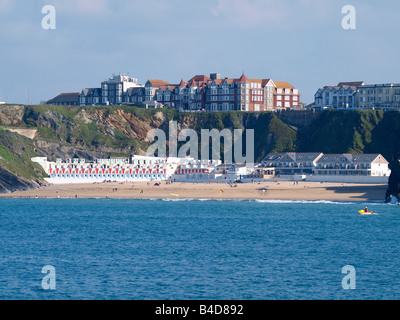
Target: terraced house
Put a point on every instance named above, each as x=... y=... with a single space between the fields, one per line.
x=200 y=93
x=215 y=93
x=368 y=168
x=358 y=95
x=342 y=96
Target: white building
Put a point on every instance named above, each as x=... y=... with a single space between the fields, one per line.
x=368 y=168
x=138 y=168
x=114 y=89
x=342 y=96
x=352 y=168
x=292 y=163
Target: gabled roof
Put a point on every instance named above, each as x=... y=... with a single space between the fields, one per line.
x=266 y=81
x=91 y=91
x=368 y=158
x=192 y=83
x=134 y=91
x=283 y=85
x=243 y=78
x=352 y=158
x=157 y=83
x=273 y=157
x=65 y=98
x=330 y=158
x=200 y=78
x=182 y=83
x=170 y=87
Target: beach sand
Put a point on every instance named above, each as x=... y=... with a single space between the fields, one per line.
x=283 y=190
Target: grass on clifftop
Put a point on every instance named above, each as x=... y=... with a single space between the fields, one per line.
x=15 y=156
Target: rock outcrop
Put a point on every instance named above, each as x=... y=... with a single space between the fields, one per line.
x=393 y=192
x=11 y=183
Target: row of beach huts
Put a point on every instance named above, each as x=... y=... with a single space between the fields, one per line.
x=356 y=168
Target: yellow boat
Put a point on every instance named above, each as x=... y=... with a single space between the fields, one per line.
x=364 y=213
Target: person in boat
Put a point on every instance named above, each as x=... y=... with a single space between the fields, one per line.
x=366 y=209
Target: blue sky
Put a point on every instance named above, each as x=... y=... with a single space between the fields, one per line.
x=301 y=42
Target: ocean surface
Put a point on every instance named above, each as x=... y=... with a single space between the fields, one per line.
x=192 y=249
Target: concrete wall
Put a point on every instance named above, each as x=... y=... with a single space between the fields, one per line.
x=349 y=179
x=298 y=118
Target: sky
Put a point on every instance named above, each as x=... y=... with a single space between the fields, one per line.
x=301 y=42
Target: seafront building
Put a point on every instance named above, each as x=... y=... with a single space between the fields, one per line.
x=200 y=93
x=355 y=168
x=137 y=168
x=358 y=95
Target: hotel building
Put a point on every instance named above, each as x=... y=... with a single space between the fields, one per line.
x=357 y=168
x=379 y=96
x=200 y=93
x=342 y=96
x=358 y=95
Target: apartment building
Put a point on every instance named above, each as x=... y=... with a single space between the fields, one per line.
x=90 y=96
x=379 y=96
x=200 y=93
x=358 y=95
x=342 y=96
x=357 y=168
x=285 y=95
x=114 y=89
x=292 y=163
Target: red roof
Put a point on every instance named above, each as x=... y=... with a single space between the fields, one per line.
x=200 y=78
x=243 y=78
x=182 y=83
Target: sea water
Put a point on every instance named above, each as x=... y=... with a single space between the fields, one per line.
x=193 y=249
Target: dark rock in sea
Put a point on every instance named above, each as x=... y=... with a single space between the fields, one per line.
x=394 y=184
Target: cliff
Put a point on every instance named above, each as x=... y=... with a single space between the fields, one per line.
x=94 y=132
x=102 y=132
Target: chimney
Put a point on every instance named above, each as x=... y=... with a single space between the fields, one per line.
x=215 y=76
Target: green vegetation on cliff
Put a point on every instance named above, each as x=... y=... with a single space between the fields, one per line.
x=366 y=131
x=16 y=152
x=101 y=131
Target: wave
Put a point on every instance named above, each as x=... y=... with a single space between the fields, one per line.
x=370 y=203
x=307 y=201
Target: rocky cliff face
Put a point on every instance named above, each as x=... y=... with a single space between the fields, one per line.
x=10 y=182
x=102 y=132
x=393 y=192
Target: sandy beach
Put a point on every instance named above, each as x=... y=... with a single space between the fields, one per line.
x=283 y=190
